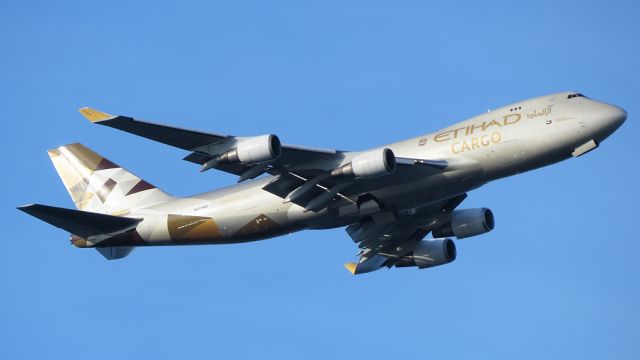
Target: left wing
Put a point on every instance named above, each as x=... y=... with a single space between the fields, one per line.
x=205 y=146
x=309 y=177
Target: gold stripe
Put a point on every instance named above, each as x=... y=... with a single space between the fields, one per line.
x=191 y=228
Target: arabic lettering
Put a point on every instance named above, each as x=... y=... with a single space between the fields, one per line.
x=544 y=112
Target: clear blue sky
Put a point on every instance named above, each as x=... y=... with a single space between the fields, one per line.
x=558 y=278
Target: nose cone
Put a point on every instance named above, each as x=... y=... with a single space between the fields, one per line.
x=603 y=118
x=615 y=116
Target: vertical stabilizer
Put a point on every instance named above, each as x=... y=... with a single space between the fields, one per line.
x=98 y=185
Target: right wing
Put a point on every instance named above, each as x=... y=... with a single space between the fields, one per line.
x=385 y=238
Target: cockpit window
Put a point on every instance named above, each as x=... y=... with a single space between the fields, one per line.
x=571 y=96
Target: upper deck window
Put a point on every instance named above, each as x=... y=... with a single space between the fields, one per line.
x=571 y=96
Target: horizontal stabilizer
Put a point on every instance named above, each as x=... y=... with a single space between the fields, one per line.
x=81 y=223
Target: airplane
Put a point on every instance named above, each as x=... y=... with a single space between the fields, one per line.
x=389 y=198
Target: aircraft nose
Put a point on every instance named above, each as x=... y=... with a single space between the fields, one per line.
x=604 y=117
x=615 y=115
x=622 y=115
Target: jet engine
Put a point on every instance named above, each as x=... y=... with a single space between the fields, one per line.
x=429 y=253
x=253 y=150
x=466 y=223
x=371 y=164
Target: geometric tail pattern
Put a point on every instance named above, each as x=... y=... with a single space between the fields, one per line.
x=98 y=185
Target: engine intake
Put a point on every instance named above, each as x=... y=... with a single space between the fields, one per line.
x=253 y=150
x=368 y=165
x=430 y=253
x=466 y=223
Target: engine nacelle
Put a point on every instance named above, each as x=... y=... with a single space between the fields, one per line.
x=253 y=150
x=429 y=253
x=368 y=165
x=466 y=223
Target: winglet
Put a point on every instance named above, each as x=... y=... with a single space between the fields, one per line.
x=94 y=115
x=351 y=267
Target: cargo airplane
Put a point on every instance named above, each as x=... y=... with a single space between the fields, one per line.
x=389 y=198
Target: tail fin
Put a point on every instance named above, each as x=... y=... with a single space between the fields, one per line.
x=98 y=185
